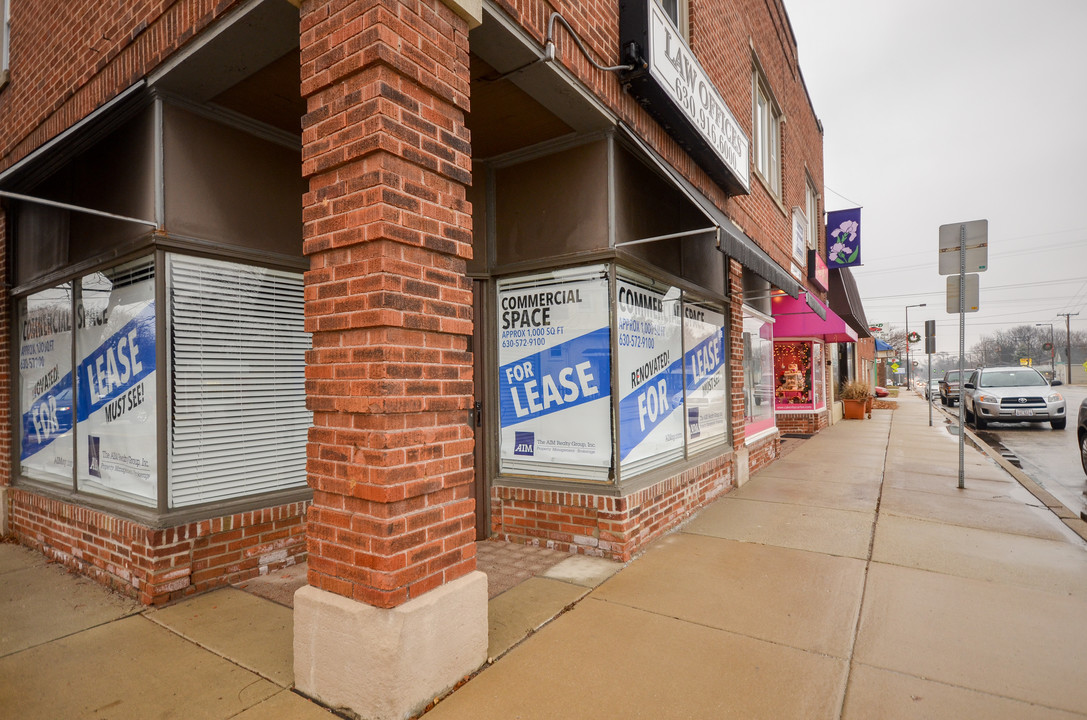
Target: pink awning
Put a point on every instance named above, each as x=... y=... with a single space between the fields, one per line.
x=794 y=318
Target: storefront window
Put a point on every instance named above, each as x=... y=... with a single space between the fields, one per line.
x=237 y=419
x=818 y=376
x=116 y=448
x=554 y=374
x=792 y=368
x=704 y=368
x=650 y=334
x=799 y=374
x=758 y=374
x=45 y=385
x=557 y=394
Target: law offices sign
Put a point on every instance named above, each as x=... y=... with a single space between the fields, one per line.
x=672 y=85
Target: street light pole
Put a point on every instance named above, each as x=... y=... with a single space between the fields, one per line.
x=1052 y=350
x=909 y=381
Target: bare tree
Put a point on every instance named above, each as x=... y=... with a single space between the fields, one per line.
x=1025 y=342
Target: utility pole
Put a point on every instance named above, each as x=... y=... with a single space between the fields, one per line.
x=909 y=381
x=1068 y=341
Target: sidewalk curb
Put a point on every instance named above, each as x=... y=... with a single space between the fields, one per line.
x=1075 y=523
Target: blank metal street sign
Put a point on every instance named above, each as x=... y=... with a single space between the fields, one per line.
x=971 y=302
x=977 y=247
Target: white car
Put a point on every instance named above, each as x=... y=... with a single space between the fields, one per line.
x=1012 y=394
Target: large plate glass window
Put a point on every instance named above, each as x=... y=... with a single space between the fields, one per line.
x=758 y=343
x=705 y=375
x=798 y=367
x=554 y=374
x=650 y=382
x=116 y=381
x=45 y=385
x=238 y=403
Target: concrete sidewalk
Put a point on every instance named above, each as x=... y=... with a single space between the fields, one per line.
x=851 y=579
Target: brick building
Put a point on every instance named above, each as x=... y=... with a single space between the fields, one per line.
x=364 y=282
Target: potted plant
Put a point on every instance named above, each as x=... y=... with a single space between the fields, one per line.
x=855 y=396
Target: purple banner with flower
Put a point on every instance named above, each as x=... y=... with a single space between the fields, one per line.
x=843 y=238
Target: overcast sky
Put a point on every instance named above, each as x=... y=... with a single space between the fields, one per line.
x=942 y=111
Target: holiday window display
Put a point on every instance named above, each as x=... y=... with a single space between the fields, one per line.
x=793 y=365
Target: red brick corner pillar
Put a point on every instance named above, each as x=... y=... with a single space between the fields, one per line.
x=741 y=471
x=6 y=430
x=395 y=612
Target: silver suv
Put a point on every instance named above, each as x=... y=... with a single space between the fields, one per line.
x=1012 y=394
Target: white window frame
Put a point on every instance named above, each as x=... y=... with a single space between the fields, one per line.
x=766 y=138
x=811 y=209
x=5 y=41
x=681 y=19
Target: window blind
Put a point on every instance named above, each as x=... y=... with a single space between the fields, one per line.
x=237 y=383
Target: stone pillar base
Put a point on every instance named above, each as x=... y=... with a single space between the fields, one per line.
x=388 y=664
x=4 y=511
x=742 y=466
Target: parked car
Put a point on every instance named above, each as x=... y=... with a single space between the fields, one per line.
x=1081 y=434
x=881 y=392
x=1012 y=394
x=949 y=386
x=933 y=389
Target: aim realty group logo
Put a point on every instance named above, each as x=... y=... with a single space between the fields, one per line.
x=524 y=443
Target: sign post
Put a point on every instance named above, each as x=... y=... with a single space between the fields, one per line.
x=930 y=347
x=970 y=242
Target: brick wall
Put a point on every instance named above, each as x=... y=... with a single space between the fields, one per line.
x=387 y=229
x=803 y=423
x=611 y=527
x=763 y=453
x=159 y=565
x=736 y=351
x=68 y=57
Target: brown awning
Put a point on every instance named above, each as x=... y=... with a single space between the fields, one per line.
x=845 y=300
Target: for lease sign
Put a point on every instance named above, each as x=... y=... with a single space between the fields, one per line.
x=554 y=375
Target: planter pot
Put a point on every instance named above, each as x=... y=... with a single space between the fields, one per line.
x=853 y=409
x=868 y=406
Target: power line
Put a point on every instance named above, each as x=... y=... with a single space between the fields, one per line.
x=843 y=197
x=1003 y=253
x=986 y=288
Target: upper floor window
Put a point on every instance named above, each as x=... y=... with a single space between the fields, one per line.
x=811 y=208
x=5 y=35
x=676 y=10
x=767 y=135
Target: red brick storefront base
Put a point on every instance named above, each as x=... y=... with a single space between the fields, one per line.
x=606 y=526
x=158 y=565
x=763 y=452
x=803 y=423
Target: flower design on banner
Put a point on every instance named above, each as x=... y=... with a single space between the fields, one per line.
x=844 y=250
